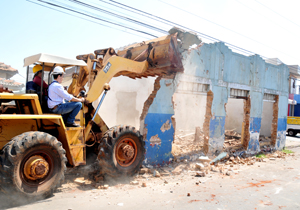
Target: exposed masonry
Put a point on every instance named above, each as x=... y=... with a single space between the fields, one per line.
x=208 y=115
x=155 y=140
x=151 y=97
x=274 y=121
x=246 y=123
x=148 y=103
x=220 y=69
x=166 y=126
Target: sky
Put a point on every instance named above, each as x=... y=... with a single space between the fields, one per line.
x=270 y=28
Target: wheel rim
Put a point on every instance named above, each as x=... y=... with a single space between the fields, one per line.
x=126 y=152
x=36 y=168
x=291 y=133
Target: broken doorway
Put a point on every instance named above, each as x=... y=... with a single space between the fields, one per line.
x=268 y=131
x=237 y=120
x=189 y=107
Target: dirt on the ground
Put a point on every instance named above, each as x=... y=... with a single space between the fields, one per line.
x=185 y=143
x=82 y=177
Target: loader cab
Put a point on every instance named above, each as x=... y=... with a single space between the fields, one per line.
x=47 y=63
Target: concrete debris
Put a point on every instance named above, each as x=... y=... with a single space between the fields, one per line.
x=200 y=173
x=185 y=144
x=98 y=178
x=199 y=166
x=187 y=38
x=226 y=164
x=156 y=173
x=163 y=173
x=80 y=181
x=204 y=159
x=228 y=173
x=144 y=171
x=178 y=169
x=219 y=157
x=134 y=183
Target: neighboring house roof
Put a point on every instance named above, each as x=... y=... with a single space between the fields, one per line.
x=294 y=70
x=10 y=83
x=8 y=70
x=5 y=67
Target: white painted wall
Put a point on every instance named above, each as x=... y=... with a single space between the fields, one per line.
x=124 y=102
x=189 y=110
x=234 y=114
x=267 y=117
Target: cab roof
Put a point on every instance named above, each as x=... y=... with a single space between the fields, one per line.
x=50 y=60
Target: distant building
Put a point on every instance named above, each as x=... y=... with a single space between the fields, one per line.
x=6 y=72
x=294 y=87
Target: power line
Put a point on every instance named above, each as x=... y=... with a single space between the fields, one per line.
x=145 y=14
x=225 y=28
x=119 y=16
x=265 y=17
x=124 y=11
x=55 y=5
x=277 y=13
x=184 y=27
x=85 y=19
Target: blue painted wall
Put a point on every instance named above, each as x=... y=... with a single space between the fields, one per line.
x=160 y=113
x=225 y=70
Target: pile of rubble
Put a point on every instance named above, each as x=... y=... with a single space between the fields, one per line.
x=186 y=143
x=223 y=164
x=232 y=138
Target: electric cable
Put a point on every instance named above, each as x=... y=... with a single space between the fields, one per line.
x=277 y=13
x=161 y=20
x=265 y=17
x=55 y=5
x=184 y=27
x=119 y=16
x=225 y=28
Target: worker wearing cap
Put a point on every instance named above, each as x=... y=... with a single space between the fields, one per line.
x=37 y=78
x=56 y=96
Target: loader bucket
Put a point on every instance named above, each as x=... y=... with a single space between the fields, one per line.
x=162 y=55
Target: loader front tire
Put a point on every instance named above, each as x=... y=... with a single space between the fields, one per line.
x=32 y=165
x=121 y=151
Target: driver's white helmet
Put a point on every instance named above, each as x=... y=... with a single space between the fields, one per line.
x=58 y=70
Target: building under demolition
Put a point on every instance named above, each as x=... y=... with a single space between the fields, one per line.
x=218 y=89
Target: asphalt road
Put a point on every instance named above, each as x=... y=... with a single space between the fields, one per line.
x=274 y=184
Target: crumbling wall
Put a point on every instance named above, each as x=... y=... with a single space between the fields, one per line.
x=274 y=122
x=208 y=115
x=246 y=123
x=281 y=122
x=215 y=64
x=157 y=122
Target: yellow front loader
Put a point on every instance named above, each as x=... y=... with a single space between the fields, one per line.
x=35 y=146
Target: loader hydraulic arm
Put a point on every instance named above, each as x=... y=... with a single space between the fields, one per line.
x=113 y=66
x=156 y=57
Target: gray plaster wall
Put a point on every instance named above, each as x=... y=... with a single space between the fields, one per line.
x=189 y=110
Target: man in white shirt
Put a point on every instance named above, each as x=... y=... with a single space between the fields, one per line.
x=56 y=96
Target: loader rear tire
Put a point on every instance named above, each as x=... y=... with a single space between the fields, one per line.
x=121 y=151
x=32 y=165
